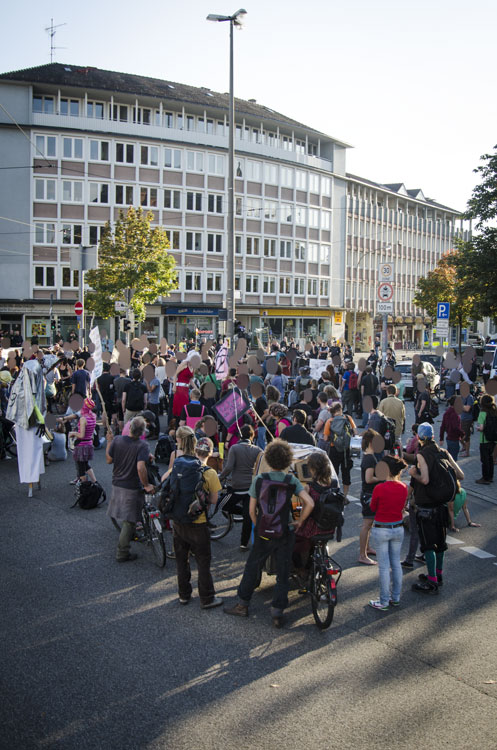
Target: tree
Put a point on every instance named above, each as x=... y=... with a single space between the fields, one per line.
x=483 y=202
x=443 y=285
x=133 y=264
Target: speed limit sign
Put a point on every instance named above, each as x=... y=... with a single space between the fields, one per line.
x=385 y=272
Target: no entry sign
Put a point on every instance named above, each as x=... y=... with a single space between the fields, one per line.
x=78 y=308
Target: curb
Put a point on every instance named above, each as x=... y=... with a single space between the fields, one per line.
x=480 y=496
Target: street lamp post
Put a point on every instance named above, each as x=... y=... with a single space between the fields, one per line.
x=236 y=20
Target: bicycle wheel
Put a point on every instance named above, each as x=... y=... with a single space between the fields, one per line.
x=323 y=597
x=219 y=523
x=153 y=532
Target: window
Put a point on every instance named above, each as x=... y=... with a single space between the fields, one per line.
x=285 y=284
x=194 y=241
x=220 y=127
x=254 y=170
x=271 y=210
x=125 y=153
x=173 y=237
x=312 y=149
x=44 y=190
x=312 y=287
x=149 y=155
x=286 y=177
x=254 y=208
x=314 y=183
x=300 y=215
x=313 y=253
x=46 y=145
x=193 y=281
x=299 y=286
x=69 y=107
x=269 y=248
x=120 y=112
x=301 y=180
x=299 y=250
x=172 y=199
x=44 y=233
x=99 y=151
x=299 y=147
x=142 y=115
x=72 y=192
x=325 y=185
x=325 y=220
x=72 y=234
x=179 y=121
x=193 y=201
x=124 y=195
x=323 y=288
x=287 y=143
x=95 y=233
x=214 y=243
x=95 y=109
x=237 y=283
x=72 y=148
x=200 y=124
x=238 y=206
x=215 y=204
x=214 y=282
x=271 y=174
x=44 y=276
x=240 y=165
x=190 y=122
x=99 y=192
x=168 y=119
x=252 y=284
x=285 y=249
x=43 y=104
x=268 y=285
x=216 y=163
x=286 y=213
x=238 y=245
x=70 y=278
x=314 y=218
x=172 y=158
x=252 y=246
x=324 y=253
x=195 y=161
x=148 y=197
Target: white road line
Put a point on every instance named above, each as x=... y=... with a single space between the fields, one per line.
x=453 y=540
x=353 y=499
x=477 y=552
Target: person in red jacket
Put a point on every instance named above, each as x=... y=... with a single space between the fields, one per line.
x=451 y=426
x=388 y=501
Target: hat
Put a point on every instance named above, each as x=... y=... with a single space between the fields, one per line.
x=204 y=445
x=148 y=415
x=425 y=431
x=89 y=404
x=5 y=377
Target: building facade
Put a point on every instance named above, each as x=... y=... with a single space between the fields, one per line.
x=80 y=144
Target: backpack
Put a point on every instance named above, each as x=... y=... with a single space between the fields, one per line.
x=165 y=446
x=490 y=428
x=353 y=381
x=328 y=507
x=183 y=488
x=433 y=408
x=273 y=500
x=341 y=432
x=135 y=396
x=475 y=411
x=88 y=495
x=192 y=421
x=387 y=431
x=443 y=485
x=303 y=384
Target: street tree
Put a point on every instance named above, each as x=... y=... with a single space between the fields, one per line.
x=443 y=285
x=133 y=264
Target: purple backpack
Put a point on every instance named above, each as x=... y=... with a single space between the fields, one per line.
x=273 y=500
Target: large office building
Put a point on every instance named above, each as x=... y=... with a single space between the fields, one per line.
x=79 y=144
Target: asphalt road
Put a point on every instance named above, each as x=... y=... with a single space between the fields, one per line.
x=101 y=655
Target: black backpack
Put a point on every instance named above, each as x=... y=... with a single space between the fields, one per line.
x=443 y=485
x=387 y=431
x=89 y=495
x=433 y=409
x=184 y=487
x=135 y=400
x=328 y=508
x=165 y=446
x=490 y=428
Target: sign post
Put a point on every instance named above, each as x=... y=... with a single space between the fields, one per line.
x=385 y=299
x=443 y=315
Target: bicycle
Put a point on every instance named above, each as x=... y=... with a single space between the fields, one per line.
x=322 y=585
x=152 y=530
x=61 y=399
x=220 y=525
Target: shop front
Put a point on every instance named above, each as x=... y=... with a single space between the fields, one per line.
x=296 y=323
x=192 y=323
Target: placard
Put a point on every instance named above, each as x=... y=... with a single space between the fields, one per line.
x=230 y=408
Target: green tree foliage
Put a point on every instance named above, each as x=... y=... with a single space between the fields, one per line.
x=483 y=202
x=133 y=264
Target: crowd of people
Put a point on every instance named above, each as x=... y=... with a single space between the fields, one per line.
x=319 y=397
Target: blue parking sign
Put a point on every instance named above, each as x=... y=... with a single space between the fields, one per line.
x=443 y=310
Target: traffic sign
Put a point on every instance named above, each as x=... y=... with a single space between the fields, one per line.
x=385 y=272
x=384 y=307
x=385 y=292
x=78 y=308
x=443 y=310
x=120 y=306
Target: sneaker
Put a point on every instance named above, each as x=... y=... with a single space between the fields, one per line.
x=424 y=578
x=277 y=621
x=420 y=558
x=129 y=558
x=74 y=481
x=482 y=481
x=185 y=601
x=406 y=564
x=239 y=610
x=376 y=604
x=216 y=602
x=427 y=587
x=394 y=604
x=243 y=547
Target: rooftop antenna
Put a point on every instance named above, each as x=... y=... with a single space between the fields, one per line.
x=52 y=30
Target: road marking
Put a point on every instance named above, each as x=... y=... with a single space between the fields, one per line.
x=477 y=552
x=353 y=499
x=453 y=540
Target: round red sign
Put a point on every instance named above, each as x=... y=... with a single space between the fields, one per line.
x=78 y=308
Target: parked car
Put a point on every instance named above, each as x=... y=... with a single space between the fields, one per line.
x=404 y=367
x=434 y=359
x=493 y=371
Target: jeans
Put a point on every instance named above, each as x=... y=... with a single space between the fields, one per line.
x=453 y=447
x=195 y=538
x=243 y=499
x=261 y=437
x=487 y=460
x=387 y=543
x=282 y=550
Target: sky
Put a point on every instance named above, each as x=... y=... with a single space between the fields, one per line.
x=409 y=85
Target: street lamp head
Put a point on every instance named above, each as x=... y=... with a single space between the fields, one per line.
x=237 y=18
x=216 y=17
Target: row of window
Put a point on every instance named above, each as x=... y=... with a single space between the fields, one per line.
x=253 y=284
x=45 y=276
x=174 y=158
x=161 y=118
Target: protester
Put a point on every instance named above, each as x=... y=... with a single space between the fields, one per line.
x=83 y=447
x=297 y=433
x=451 y=426
x=487 y=427
x=369 y=480
x=135 y=395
